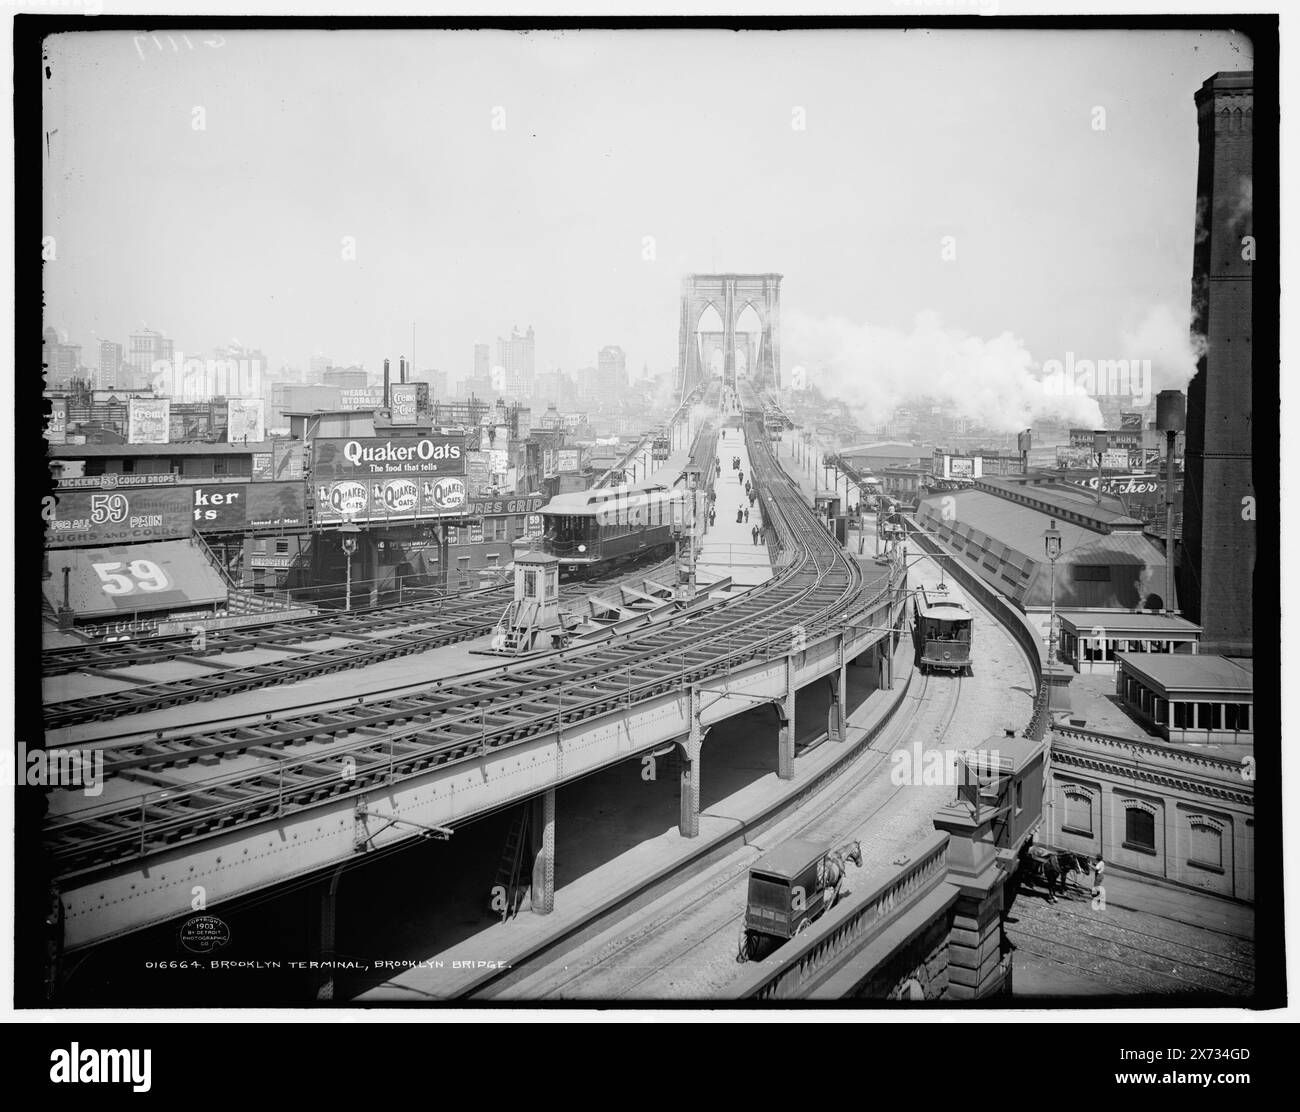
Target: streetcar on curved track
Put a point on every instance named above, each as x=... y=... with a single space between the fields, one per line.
x=943 y=630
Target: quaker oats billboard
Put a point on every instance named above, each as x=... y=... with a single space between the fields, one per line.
x=374 y=457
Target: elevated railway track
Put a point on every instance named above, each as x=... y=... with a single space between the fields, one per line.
x=291 y=768
x=373 y=636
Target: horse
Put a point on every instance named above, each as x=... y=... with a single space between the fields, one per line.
x=1050 y=867
x=833 y=867
x=1070 y=862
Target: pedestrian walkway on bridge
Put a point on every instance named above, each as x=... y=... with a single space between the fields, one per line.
x=729 y=544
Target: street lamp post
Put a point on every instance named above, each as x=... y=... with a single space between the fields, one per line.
x=350 y=533
x=1052 y=545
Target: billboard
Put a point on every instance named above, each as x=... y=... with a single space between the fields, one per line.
x=1068 y=459
x=263 y=465
x=378 y=457
x=568 y=459
x=961 y=467
x=400 y=498
x=371 y=397
x=236 y=507
x=113 y=482
x=75 y=517
x=1130 y=421
x=288 y=459
x=477 y=475
x=56 y=432
x=149 y=421
x=495 y=507
x=245 y=421
x=404 y=400
x=1115 y=459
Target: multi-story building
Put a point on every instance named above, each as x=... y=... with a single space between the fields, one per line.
x=611 y=375
x=111 y=361
x=482 y=361
x=62 y=361
x=346 y=378
x=1218 y=527
x=146 y=349
x=517 y=356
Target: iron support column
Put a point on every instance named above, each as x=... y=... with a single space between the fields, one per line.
x=543 y=894
x=785 y=737
x=689 y=811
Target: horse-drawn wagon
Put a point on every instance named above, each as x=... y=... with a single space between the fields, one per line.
x=1045 y=867
x=789 y=887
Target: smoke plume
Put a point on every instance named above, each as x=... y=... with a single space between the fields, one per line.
x=874 y=370
x=1165 y=337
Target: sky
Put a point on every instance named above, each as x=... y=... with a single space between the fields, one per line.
x=948 y=191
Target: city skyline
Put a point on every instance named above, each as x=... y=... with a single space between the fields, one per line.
x=524 y=166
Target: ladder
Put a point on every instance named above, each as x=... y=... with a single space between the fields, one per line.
x=512 y=862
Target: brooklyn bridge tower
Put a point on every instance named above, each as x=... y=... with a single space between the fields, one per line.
x=714 y=337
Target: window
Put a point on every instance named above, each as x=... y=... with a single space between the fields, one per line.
x=1139 y=829
x=128 y=466
x=494 y=529
x=1182 y=716
x=1078 y=813
x=1236 y=716
x=282 y=548
x=1020 y=796
x=1208 y=716
x=530 y=583
x=1205 y=848
x=520 y=526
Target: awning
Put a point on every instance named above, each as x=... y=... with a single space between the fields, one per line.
x=133 y=578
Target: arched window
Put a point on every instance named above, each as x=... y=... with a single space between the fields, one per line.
x=1205 y=849
x=1139 y=828
x=1078 y=812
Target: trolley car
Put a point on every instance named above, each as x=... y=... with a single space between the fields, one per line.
x=943 y=630
x=590 y=531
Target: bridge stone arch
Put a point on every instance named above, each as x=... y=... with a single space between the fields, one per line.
x=729 y=295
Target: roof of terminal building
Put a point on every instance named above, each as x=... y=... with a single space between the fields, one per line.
x=1016 y=525
x=1068 y=499
x=1194 y=672
x=1119 y=623
x=1009 y=535
x=890 y=449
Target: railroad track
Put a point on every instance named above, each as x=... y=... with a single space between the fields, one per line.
x=428 y=626
x=842 y=812
x=390 y=740
x=417 y=628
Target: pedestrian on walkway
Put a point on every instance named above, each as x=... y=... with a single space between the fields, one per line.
x=742 y=476
x=753 y=533
x=740 y=515
x=1098 y=875
x=713 y=515
x=746 y=515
